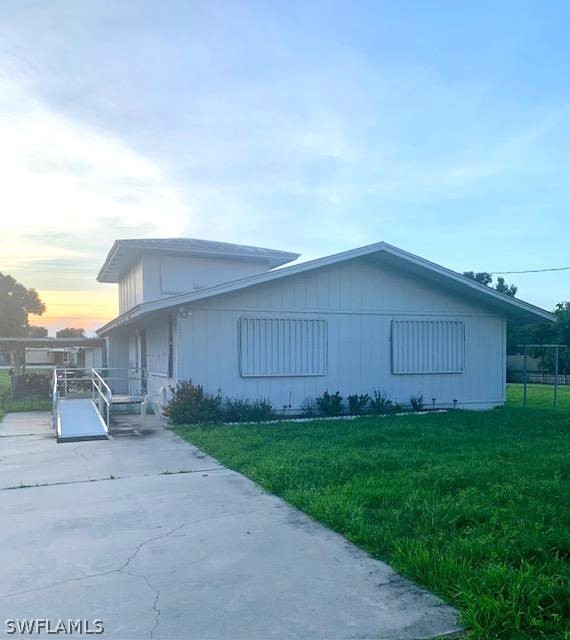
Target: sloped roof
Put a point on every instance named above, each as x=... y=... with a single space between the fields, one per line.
x=454 y=282
x=124 y=253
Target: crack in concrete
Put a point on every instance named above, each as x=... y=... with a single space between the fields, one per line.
x=88 y=480
x=155 y=606
x=80 y=453
x=100 y=574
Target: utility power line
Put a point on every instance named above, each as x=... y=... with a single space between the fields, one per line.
x=504 y=273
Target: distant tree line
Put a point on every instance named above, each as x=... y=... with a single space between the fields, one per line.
x=547 y=333
x=487 y=279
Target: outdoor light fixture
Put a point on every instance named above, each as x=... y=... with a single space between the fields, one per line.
x=184 y=312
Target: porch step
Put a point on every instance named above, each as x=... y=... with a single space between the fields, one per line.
x=79 y=420
x=127 y=399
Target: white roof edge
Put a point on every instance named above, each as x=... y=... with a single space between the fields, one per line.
x=236 y=285
x=275 y=257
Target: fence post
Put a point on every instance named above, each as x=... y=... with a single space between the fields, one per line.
x=524 y=373
x=556 y=378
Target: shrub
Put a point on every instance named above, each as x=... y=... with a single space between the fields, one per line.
x=357 y=404
x=244 y=410
x=237 y=409
x=380 y=402
x=417 y=403
x=33 y=384
x=309 y=408
x=330 y=404
x=262 y=410
x=190 y=405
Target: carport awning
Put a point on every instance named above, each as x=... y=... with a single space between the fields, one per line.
x=54 y=343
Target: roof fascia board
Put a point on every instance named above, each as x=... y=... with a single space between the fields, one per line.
x=269 y=276
x=273 y=257
x=108 y=259
x=472 y=284
x=235 y=285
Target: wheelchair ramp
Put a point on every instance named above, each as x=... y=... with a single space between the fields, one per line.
x=79 y=420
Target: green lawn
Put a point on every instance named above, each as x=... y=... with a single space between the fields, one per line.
x=472 y=505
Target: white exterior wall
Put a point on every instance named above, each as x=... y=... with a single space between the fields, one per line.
x=155 y=276
x=118 y=358
x=39 y=356
x=158 y=380
x=94 y=358
x=358 y=300
x=131 y=288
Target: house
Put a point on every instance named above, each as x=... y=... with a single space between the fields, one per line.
x=70 y=357
x=234 y=319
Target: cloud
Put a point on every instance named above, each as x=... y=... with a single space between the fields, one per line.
x=258 y=124
x=69 y=189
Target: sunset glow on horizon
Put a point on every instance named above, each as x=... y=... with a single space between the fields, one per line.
x=88 y=310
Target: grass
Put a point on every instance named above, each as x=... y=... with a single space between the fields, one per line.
x=471 y=505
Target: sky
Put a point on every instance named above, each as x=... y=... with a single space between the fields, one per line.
x=441 y=127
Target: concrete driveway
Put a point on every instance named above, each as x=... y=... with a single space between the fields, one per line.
x=158 y=540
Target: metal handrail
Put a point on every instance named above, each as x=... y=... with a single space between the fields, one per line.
x=54 y=399
x=104 y=392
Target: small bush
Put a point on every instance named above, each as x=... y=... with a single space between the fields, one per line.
x=309 y=408
x=262 y=410
x=380 y=402
x=190 y=405
x=244 y=410
x=33 y=384
x=237 y=409
x=329 y=404
x=357 y=404
x=417 y=403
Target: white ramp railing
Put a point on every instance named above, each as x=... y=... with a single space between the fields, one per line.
x=102 y=395
x=79 y=382
x=54 y=398
x=67 y=382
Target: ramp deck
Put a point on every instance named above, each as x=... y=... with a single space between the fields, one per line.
x=79 y=419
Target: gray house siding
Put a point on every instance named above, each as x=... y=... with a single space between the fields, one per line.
x=358 y=301
x=161 y=374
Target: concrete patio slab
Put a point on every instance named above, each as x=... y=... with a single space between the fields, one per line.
x=200 y=554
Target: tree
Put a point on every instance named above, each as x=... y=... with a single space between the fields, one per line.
x=508 y=289
x=482 y=277
x=38 y=332
x=545 y=333
x=70 y=332
x=16 y=303
x=558 y=333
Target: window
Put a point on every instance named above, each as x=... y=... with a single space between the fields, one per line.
x=428 y=346
x=282 y=347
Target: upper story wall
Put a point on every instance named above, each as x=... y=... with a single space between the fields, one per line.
x=131 y=288
x=156 y=276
